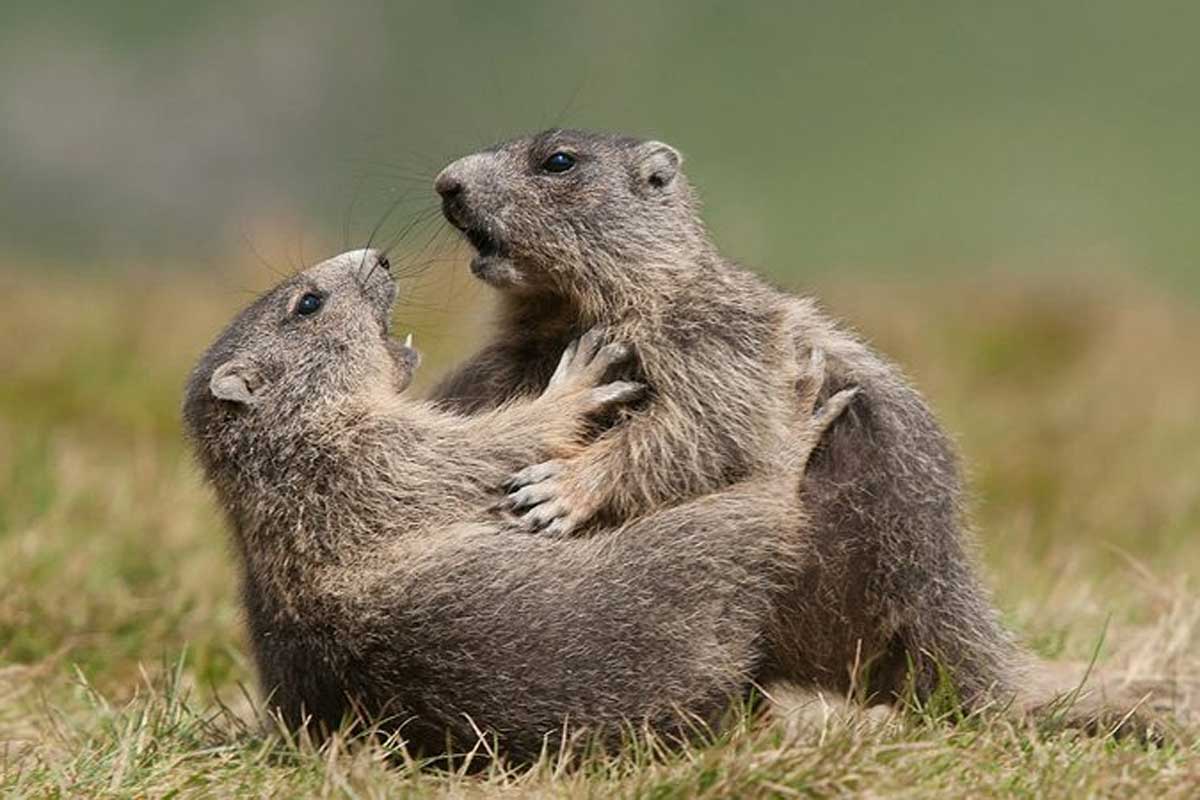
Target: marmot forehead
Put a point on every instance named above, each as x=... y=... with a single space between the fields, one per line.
x=574 y=138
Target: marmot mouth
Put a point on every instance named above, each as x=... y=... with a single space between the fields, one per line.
x=484 y=243
x=491 y=262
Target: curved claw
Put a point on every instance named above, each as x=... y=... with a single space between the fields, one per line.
x=564 y=365
x=527 y=497
x=589 y=343
x=833 y=408
x=535 y=473
x=543 y=515
x=610 y=354
x=615 y=392
x=558 y=529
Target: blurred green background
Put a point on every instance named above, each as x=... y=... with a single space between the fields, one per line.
x=1001 y=197
x=884 y=137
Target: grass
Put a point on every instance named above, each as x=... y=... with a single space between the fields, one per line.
x=123 y=662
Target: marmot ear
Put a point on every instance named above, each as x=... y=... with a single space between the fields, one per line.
x=236 y=382
x=657 y=165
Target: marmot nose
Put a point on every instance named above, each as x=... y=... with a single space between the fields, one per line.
x=448 y=185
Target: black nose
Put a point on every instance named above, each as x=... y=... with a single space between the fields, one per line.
x=448 y=186
x=383 y=262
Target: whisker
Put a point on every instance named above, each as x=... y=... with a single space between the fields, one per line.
x=245 y=236
x=391 y=209
x=419 y=219
x=346 y=222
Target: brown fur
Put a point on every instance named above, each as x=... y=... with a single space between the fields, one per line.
x=374 y=581
x=888 y=597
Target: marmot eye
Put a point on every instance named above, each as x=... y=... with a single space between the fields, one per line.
x=559 y=162
x=309 y=304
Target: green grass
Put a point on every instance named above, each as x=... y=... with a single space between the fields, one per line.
x=123 y=661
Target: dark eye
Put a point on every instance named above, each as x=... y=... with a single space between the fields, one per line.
x=309 y=304
x=559 y=162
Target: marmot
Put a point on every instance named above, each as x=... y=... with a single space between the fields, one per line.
x=578 y=229
x=376 y=586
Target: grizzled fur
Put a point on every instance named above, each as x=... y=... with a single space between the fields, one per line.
x=375 y=583
x=616 y=240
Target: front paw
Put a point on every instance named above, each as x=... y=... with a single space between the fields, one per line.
x=582 y=368
x=546 y=500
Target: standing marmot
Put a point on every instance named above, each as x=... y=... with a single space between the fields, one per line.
x=371 y=583
x=580 y=229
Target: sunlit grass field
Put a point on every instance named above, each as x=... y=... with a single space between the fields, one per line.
x=124 y=669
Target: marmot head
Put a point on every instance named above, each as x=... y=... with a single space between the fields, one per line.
x=567 y=211
x=317 y=338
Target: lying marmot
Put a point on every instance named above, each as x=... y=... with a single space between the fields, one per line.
x=374 y=583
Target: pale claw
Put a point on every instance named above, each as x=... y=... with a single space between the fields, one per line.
x=833 y=408
x=534 y=474
x=615 y=392
x=527 y=496
x=564 y=365
x=559 y=529
x=541 y=516
x=588 y=344
x=610 y=354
